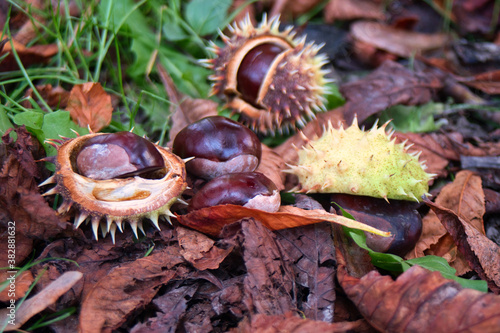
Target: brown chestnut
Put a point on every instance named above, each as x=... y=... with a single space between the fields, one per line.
x=117 y=155
x=248 y=189
x=219 y=146
x=399 y=217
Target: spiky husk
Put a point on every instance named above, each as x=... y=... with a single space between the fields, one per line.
x=294 y=87
x=358 y=162
x=110 y=203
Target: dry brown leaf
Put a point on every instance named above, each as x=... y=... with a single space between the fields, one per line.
x=272 y=165
x=353 y=9
x=20 y=200
x=56 y=98
x=40 y=301
x=211 y=220
x=465 y=197
x=390 y=84
x=90 y=106
x=421 y=301
x=37 y=54
x=125 y=289
x=200 y=250
x=399 y=42
x=289 y=322
x=269 y=281
x=482 y=254
x=21 y=284
x=488 y=82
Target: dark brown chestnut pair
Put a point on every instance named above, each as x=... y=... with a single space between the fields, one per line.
x=399 y=217
x=219 y=146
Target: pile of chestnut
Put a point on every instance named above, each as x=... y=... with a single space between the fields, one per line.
x=225 y=156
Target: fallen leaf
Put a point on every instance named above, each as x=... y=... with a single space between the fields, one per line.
x=125 y=289
x=37 y=54
x=474 y=16
x=172 y=307
x=40 y=301
x=22 y=283
x=353 y=9
x=20 y=200
x=465 y=197
x=56 y=98
x=269 y=280
x=200 y=250
x=488 y=82
x=482 y=254
x=211 y=220
x=399 y=42
x=312 y=252
x=390 y=84
x=289 y=322
x=271 y=165
x=90 y=106
x=421 y=301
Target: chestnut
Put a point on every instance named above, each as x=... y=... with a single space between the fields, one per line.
x=117 y=155
x=399 y=217
x=248 y=189
x=219 y=146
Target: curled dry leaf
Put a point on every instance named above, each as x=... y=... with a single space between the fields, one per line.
x=466 y=198
x=353 y=9
x=421 y=301
x=482 y=254
x=125 y=289
x=488 y=82
x=200 y=250
x=390 y=84
x=40 y=301
x=399 y=42
x=90 y=106
x=211 y=220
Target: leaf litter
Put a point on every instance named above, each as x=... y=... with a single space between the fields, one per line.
x=248 y=271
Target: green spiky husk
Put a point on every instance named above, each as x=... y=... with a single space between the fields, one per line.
x=359 y=162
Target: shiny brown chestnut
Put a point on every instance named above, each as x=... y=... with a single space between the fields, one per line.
x=248 y=189
x=117 y=155
x=399 y=217
x=219 y=146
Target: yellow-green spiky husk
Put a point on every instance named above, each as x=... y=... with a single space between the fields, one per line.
x=358 y=162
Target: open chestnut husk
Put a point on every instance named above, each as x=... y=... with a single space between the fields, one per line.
x=399 y=217
x=111 y=178
x=248 y=189
x=219 y=146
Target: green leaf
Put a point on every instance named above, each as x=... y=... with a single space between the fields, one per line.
x=56 y=124
x=5 y=123
x=32 y=119
x=435 y=263
x=413 y=118
x=334 y=99
x=396 y=264
x=205 y=17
